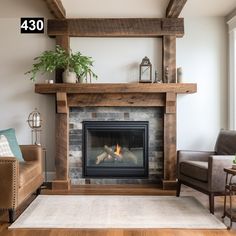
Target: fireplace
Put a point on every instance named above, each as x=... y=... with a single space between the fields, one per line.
x=115 y=149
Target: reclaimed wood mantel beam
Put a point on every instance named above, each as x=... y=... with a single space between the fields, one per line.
x=174 y=8
x=56 y=8
x=116 y=27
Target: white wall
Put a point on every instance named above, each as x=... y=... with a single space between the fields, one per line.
x=116 y=60
x=202 y=54
x=17 y=97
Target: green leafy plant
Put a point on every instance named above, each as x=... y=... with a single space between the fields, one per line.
x=49 y=61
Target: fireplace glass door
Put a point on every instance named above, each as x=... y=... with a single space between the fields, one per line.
x=115 y=149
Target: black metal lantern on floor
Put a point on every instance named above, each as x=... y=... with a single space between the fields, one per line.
x=145 y=71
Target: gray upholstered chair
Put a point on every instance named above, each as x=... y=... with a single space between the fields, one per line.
x=204 y=171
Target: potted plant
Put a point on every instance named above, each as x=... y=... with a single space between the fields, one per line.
x=75 y=65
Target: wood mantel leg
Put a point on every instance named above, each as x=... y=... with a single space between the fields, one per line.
x=170 y=155
x=62 y=180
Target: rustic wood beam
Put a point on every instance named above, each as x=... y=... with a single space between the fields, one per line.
x=64 y=42
x=62 y=103
x=170 y=106
x=122 y=88
x=174 y=8
x=62 y=180
x=56 y=8
x=169 y=58
x=114 y=27
x=116 y=100
x=170 y=156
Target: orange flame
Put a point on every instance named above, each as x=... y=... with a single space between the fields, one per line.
x=118 y=150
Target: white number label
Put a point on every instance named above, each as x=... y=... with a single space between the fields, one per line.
x=32 y=25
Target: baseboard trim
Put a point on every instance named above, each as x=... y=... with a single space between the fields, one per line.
x=169 y=184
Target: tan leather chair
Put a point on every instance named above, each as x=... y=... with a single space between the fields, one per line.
x=204 y=171
x=18 y=180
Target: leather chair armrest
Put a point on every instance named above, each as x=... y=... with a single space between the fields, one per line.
x=216 y=174
x=31 y=152
x=9 y=182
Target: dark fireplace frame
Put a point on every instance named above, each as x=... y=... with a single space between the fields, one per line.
x=115 y=172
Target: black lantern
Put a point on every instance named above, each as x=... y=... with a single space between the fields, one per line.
x=145 y=71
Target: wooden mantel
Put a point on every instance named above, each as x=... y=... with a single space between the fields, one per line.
x=115 y=95
x=116 y=88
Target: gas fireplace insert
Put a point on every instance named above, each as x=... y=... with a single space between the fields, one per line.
x=115 y=149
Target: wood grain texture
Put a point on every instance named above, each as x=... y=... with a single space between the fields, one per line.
x=170 y=106
x=115 y=88
x=64 y=42
x=170 y=156
x=116 y=27
x=169 y=58
x=62 y=147
x=131 y=95
x=61 y=100
x=56 y=8
x=174 y=8
x=116 y=100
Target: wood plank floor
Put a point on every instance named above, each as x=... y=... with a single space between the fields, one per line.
x=118 y=190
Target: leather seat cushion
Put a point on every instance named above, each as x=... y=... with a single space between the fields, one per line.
x=27 y=171
x=195 y=169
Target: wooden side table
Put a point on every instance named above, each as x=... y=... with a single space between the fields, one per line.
x=230 y=190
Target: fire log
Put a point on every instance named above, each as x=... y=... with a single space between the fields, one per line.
x=111 y=152
x=128 y=155
x=101 y=158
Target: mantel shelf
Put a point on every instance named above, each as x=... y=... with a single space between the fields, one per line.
x=98 y=88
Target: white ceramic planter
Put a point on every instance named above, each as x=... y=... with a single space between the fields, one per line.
x=69 y=77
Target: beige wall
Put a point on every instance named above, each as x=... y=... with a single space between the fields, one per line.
x=201 y=53
x=16 y=90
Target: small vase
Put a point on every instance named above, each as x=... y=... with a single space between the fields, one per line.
x=234 y=166
x=179 y=75
x=69 y=77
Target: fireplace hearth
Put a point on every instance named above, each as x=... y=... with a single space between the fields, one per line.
x=115 y=149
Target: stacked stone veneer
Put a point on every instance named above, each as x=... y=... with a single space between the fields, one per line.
x=153 y=115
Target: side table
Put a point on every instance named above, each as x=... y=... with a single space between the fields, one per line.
x=230 y=190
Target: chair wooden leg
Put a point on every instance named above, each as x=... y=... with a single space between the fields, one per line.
x=38 y=191
x=12 y=215
x=178 y=188
x=211 y=203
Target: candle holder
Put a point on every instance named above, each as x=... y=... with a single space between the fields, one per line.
x=35 y=123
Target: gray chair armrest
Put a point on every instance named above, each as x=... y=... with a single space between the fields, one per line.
x=185 y=155
x=216 y=174
x=193 y=156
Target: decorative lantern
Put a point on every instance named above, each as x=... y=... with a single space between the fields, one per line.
x=145 y=71
x=35 y=123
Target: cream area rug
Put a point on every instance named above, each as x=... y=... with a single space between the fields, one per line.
x=59 y=211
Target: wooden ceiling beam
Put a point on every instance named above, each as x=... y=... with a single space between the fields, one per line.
x=56 y=8
x=116 y=27
x=174 y=8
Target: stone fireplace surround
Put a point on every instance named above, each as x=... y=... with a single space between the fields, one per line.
x=153 y=115
x=115 y=95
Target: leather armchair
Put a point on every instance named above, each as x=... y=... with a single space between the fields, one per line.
x=204 y=171
x=18 y=180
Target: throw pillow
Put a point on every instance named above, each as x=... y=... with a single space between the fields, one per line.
x=11 y=138
x=5 y=150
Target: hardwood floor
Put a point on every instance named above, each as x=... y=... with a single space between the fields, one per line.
x=128 y=190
